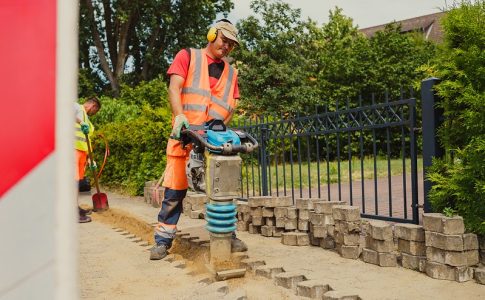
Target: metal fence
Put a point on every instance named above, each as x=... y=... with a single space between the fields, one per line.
x=365 y=155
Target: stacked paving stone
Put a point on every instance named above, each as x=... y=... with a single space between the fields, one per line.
x=480 y=275
x=147 y=189
x=379 y=242
x=150 y=190
x=194 y=205
x=295 y=239
x=411 y=245
x=347 y=230
x=256 y=211
x=322 y=225
x=296 y=222
x=304 y=208
x=265 y=215
x=481 y=245
x=449 y=251
x=243 y=216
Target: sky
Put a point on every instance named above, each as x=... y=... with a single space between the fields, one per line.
x=365 y=13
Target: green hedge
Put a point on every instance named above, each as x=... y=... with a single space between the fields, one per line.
x=136 y=127
x=459 y=178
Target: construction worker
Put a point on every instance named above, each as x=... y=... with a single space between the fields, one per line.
x=203 y=86
x=83 y=127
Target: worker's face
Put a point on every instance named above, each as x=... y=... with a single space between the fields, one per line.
x=92 y=109
x=222 y=46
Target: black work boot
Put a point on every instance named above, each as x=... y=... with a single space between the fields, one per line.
x=84 y=219
x=158 y=252
x=84 y=211
x=237 y=245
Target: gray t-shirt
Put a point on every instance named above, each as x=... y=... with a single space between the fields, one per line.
x=79 y=113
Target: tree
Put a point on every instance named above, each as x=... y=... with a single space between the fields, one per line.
x=350 y=64
x=134 y=40
x=341 y=63
x=289 y=65
x=395 y=59
x=459 y=179
x=275 y=76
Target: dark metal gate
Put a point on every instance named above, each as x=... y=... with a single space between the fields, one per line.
x=364 y=155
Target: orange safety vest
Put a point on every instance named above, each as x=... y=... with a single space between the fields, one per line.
x=200 y=102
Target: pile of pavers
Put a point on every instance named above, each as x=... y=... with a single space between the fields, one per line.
x=379 y=243
x=151 y=191
x=194 y=205
x=347 y=230
x=309 y=221
x=440 y=247
x=268 y=215
x=449 y=251
x=322 y=224
x=410 y=242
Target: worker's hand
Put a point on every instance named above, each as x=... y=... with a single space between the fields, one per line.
x=92 y=166
x=179 y=123
x=85 y=127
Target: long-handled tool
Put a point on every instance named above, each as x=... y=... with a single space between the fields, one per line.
x=106 y=154
x=100 y=200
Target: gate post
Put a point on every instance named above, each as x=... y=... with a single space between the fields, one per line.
x=264 y=159
x=432 y=118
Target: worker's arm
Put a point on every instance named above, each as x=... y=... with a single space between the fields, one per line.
x=174 y=93
x=79 y=118
x=78 y=113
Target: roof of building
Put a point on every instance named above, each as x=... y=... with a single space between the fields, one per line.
x=429 y=25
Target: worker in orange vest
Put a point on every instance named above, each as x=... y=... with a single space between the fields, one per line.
x=203 y=86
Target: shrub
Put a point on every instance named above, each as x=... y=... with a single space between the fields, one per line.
x=136 y=127
x=459 y=179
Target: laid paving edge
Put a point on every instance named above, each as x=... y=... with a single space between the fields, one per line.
x=212 y=282
x=290 y=280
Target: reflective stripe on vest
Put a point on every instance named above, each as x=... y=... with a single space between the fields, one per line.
x=79 y=138
x=194 y=107
x=197 y=96
x=215 y=115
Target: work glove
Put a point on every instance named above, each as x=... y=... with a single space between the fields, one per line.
x=85 y=128
x=92 y=166
x=179 y=123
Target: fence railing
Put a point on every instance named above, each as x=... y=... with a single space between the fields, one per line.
x=365 y=155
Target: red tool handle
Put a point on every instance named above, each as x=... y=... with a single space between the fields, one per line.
x=90 y=153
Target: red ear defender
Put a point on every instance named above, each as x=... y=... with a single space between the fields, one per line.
x=212 y=34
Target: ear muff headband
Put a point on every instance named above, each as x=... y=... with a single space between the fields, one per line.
x=212 y=34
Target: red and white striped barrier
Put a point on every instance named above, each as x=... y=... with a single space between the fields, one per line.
x=38 y=215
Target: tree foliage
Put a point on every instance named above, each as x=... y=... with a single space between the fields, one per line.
x=459 y=179
x=288 y=64
x=134 y=40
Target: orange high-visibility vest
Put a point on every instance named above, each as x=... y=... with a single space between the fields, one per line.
x=201 y=103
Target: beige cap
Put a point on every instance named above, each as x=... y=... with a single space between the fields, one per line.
x=229 y=30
